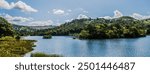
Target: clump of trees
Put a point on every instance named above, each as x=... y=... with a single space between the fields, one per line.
x=47 y=35
x=6 y=28
x=101 y=31
x=124 y=27
x=70 y=28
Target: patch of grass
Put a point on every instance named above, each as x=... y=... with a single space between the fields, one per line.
x=7 y=38
x=10 y=47
x=39 y=54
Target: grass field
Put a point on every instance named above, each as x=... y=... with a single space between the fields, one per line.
x=10 y=47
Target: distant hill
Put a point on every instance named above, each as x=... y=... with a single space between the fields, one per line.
x=77 y=25
x=30 y=30
x=33 y=27
x=41 y=27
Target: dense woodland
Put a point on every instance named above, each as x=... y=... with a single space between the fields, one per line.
x=100 y=28
x=124 y=27
x=6 y=28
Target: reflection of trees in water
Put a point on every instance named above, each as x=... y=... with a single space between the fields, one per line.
x=96 y=47
x=123 y=47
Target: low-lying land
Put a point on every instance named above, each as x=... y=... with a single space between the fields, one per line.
x=11 y=47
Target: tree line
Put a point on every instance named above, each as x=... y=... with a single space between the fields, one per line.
x=124 y=27
x=99 y=28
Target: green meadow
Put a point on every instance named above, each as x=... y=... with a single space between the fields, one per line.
x=11 y=47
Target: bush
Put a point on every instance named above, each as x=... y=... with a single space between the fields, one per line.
x=17 y=37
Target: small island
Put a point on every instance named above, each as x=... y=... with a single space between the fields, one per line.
x=47 y=37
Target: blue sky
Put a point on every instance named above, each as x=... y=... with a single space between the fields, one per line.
x=55 y=12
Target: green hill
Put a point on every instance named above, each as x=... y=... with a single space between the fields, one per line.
x=100 y=28
x=6 y=28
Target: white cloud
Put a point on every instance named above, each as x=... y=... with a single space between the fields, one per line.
x=69 y=10
x=82 y=10
x=81 y=16
x=106 y=17
x=57 y=24
x=139 y=16
x=58 y=12
x=117 y=14
x=23 y=7
x=25 y=21
x=4 y=4
x=18 y=5
x=15 y=19
x=69 y=20
x=41 y=23
x=85 y=11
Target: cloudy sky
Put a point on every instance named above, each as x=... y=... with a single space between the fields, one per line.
x=55 y=12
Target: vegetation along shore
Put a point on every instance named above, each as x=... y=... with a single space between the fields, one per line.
x=10 y=44
x=100 y=28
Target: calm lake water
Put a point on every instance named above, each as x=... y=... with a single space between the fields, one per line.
x=69 y=47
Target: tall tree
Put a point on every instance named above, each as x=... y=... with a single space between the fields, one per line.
x=6 y=28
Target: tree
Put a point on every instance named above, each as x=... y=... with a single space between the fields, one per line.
x=6 y=28
x=84 y=34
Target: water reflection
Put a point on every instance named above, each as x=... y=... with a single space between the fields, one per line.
x=65 y=45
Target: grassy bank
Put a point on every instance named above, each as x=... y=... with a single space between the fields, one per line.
x=11 y=47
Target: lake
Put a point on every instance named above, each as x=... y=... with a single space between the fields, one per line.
x=69 y=47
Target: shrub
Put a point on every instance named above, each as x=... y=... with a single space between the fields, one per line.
x=17 y=37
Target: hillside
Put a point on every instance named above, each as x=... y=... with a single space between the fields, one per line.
x=30 y=30
x=6 y=28
x=77 y=25
x=123 y=27
x=41 y=27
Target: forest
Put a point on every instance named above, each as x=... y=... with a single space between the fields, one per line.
x=99 y=28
